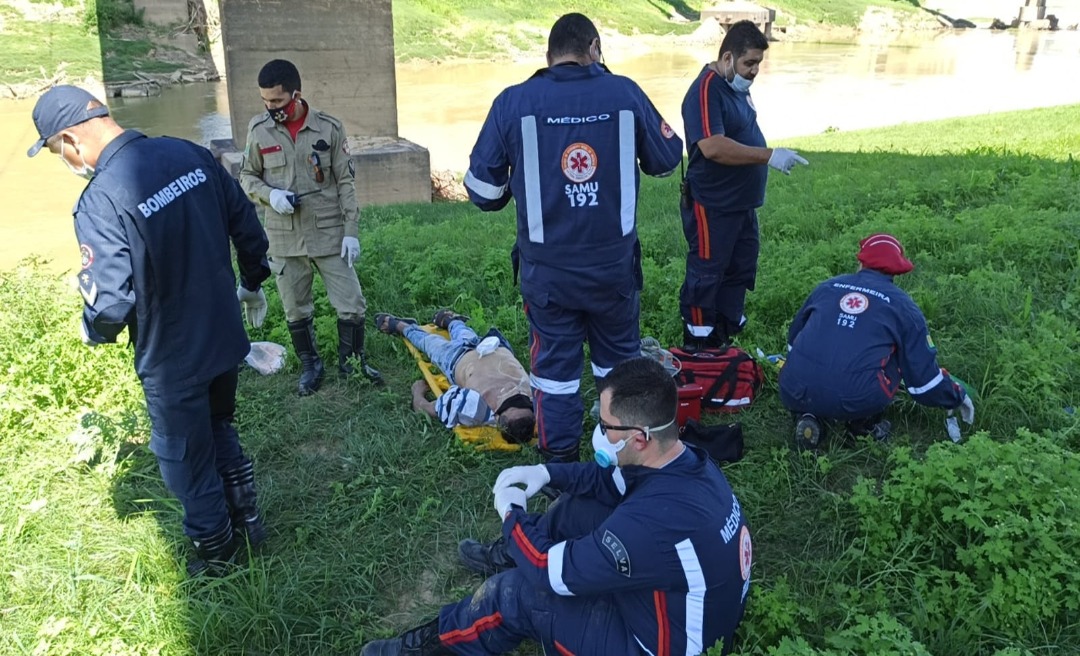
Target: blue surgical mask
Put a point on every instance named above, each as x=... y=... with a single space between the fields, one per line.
x=739 y=83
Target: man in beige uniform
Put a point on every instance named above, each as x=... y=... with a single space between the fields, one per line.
x=296 y=164
x=488 y=385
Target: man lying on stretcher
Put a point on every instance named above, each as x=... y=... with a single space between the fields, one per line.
x=488 y=385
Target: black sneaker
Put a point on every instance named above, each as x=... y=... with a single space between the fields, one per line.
x=876 y=427
x=881 y=431
x=421 y=641
x=808 y=433
x=487 y=559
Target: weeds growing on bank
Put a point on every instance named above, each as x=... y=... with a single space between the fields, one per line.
x=89 y=42
x=915 y=547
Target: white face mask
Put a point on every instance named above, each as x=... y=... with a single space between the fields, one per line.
x=607 y=454
x=85 y=171
x=738 y=82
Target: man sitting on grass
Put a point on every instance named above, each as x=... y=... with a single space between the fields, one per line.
x=488 y=385
x=646 y=551
x=850 y=344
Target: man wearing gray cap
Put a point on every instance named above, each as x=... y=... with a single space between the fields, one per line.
x=154 y=226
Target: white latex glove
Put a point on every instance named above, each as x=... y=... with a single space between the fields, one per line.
x=509 y=496
x=967 y=410
x=350 y=250
x=784 y=160
x=253 y=303
x=281 y=201
x=533 y=477
x=85 y=336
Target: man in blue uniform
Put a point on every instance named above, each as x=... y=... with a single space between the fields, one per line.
x=566 y=145
x=852 y=342
x=651 y=556
x=154 y=226
x=725 y=184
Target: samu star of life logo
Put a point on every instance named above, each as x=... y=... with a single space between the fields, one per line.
x=854 y=303
x=579 y=162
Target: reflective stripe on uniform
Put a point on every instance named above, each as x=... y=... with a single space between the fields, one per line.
x=695 y=597
x=554 y=386
x=530 y=154
x=554 y=567
x=598 y=371
x=927 y=387
x=627 y=171
x=484 y=189
x=699 y=331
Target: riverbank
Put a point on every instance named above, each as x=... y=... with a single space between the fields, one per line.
x=42 y=44
x=918 y=546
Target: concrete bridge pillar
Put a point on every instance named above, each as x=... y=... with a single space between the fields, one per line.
x=345 y=52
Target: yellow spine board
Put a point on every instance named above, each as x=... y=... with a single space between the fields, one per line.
x=484 y=438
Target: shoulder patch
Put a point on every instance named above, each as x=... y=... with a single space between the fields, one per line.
x=618 y=552
x=87 y=255
x=930 y=342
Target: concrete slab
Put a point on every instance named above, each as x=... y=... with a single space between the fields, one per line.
x=390 y=170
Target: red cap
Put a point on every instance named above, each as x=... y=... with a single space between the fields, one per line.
x=882 y=252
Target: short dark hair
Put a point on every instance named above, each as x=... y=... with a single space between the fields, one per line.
x=572 y=34
x=643 y=393
x=280 y=71
x=520 y=430
x=742 y=36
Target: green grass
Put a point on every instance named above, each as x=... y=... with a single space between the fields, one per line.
x=432 y=29
x=423 y=30
x=26 y=47
x=366 y=500
x=834 y=12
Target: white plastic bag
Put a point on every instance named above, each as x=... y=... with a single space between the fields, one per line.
x=266 y=357
x=488 y=345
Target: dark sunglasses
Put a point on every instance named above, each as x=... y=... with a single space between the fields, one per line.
x=314 y=160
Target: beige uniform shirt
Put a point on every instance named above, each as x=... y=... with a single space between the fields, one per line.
x=497 y=376
x=273 y=161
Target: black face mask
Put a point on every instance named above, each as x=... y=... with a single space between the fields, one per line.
x=282 y=114
x=516 y=401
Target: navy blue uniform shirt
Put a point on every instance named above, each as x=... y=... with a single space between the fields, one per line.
x=674 y=555
x=857 y=336
x=154 y=227
x=712 y=107
x=566 y=145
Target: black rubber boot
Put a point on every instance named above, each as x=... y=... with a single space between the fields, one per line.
x=421 y=641
x=242 y=501
x=312 y=372
x=485 y=558
x=351 y=343
x=215 y=555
